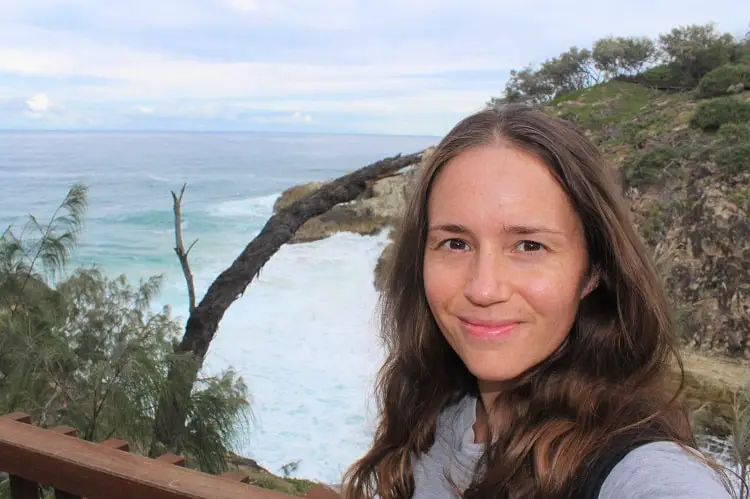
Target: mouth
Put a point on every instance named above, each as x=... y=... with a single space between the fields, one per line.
x=483 y=329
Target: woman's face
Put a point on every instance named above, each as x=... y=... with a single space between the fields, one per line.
x=505 y=261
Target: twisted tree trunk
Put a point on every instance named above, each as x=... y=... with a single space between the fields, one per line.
x=231 y=284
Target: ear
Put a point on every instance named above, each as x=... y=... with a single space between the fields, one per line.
x=592 y=282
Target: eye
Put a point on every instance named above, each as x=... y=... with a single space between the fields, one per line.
x=530 y=246
x=455 y=244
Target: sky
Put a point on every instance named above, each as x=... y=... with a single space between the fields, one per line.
x=326 y=66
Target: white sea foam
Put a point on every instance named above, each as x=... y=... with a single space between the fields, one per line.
x=157 y=178
x=304 y=337
x=260 y=206
x=304 y=334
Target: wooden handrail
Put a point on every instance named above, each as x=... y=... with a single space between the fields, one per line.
x=34 y=455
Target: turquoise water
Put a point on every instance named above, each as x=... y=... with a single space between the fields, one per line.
x=303 y=335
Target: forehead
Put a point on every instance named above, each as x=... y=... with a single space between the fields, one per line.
x=499 y=184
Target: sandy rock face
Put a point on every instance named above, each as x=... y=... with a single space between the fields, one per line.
x=379 y=208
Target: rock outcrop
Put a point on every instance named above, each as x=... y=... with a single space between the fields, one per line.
x=379 y=208
x=691 y=210
x=690 y=203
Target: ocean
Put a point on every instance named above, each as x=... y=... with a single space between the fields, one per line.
x=304 y=335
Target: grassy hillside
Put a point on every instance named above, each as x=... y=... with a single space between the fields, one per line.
x=684 y=164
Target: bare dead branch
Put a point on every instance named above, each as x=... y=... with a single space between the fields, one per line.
x=232 y=282
x=179 y=248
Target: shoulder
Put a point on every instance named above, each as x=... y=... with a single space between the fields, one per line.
x=458 y=413
x=662 y=470
x=455 y=422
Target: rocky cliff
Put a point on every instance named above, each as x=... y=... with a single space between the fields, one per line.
x=687 y=179
x=379 y=208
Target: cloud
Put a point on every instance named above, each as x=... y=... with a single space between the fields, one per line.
x=303 y=117
x=244 y=5
x=406 y=67
x=39 y=103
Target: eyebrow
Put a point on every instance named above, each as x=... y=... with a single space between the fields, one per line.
x=513 y=229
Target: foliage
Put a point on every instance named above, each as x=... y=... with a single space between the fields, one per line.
x=572 y=70
x=711 y=115
x=664 y=76
x=285 y=485
x=290 y=468
x=49 y=245
x=695 y=50
x=735 y=159
x=649 y=167
x=216 y=410
x=742 y=51
x=740 y=196
x=653 y=225
x=678 y=60
x=734 y=133
x=91 y=352
x=615 y=56
x=604 y=105
x=725 y=80
x=637 y=131
x=740 y=436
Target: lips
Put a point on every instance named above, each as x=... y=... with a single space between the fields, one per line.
x=486 y=329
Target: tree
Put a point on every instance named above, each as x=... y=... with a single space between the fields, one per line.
x=90 y=352
x=527 y=85
x=696 y=49
x=638 y=52
x=608 y=54
x=571 y=71
x=617 y=56
x=229 y=286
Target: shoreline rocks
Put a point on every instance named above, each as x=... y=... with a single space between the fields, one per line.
x=379 y=208
x=691 y=214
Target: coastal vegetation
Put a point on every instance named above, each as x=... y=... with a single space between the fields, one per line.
x=672 y=117
x=80 y=349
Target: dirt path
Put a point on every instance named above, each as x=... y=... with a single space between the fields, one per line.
x=723 y=371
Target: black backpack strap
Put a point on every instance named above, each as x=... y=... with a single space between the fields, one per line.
x=598 y=473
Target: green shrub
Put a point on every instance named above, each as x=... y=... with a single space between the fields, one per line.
x=734 y=133
x=632 y=132
x=735 y=159
x=727 y=79
x=653 y=225
x=647 y=168
x=664 y=76
x=696 y=49
x=712 y=114
x=742 y=52
x=740 y=197
x=622 y=55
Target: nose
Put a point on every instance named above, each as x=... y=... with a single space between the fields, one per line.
x=488 y=280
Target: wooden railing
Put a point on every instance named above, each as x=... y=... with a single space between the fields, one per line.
x=76 y=468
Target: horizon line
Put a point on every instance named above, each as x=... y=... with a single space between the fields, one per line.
x=194 y=131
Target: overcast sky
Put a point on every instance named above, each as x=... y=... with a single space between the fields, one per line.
x=383 y=66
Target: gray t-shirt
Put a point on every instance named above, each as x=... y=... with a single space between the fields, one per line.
x=659 y=470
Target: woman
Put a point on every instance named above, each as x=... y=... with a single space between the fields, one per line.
x=527 y=333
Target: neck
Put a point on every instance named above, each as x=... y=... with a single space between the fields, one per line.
x=488 y=392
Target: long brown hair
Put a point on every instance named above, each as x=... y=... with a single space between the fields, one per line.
x=604 y=385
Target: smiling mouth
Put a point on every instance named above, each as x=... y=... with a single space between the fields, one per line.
x=488 y=329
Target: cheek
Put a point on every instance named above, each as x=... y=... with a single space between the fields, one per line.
x=555 y=297
x=440 y=283
x=432 y=286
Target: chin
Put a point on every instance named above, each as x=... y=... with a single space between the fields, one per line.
x=495 y=370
